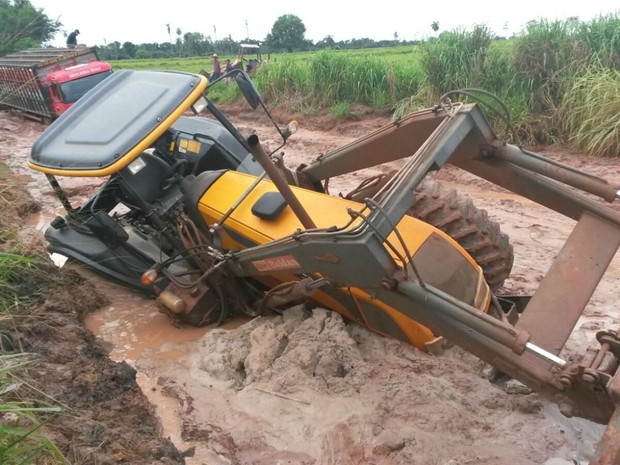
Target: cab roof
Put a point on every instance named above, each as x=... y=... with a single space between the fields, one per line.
x=78 y=71
x=114 y=122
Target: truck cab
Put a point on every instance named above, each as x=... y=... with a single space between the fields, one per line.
x=68 y=85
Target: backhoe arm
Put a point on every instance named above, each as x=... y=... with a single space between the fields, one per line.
x=461 y=136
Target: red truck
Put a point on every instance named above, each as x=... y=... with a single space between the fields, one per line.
x=45 y=82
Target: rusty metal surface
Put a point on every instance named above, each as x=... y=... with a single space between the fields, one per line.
x=38 y=57
x=391 y=142
x=448 y=316
x=608 y=451
x=566 y=289
x=544 y=191
x=558 y=171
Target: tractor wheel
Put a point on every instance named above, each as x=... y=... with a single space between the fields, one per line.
x=456 y=215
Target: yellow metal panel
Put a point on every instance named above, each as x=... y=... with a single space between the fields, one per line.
x=325 y=210
x=189 y=145
x=417 y=334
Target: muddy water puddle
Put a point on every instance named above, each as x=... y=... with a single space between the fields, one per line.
x=136 y=332
x=134 y=329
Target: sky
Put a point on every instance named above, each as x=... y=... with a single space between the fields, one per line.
x=141 y=21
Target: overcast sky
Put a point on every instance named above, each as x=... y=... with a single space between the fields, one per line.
x=141 y=21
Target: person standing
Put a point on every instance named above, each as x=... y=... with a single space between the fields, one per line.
x=72 y=39
x=217 y=68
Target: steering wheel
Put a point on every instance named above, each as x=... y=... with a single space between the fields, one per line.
x=174 y=174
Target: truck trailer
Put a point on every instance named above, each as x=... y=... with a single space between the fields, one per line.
x=44 y=82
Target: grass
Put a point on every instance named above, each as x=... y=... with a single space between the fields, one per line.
x=456 y=60
x=591 y=112
x=13 y=268
x=341 y=110
x=601 y=36
x=21 y=420
x=330 y=78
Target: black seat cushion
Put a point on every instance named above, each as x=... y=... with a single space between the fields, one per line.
x=269 y=206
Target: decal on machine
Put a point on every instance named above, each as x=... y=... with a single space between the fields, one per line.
x=285 y=262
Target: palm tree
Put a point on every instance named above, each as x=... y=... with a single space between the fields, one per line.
x=179 y=43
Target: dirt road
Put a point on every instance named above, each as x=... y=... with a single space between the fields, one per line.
x=309 y=388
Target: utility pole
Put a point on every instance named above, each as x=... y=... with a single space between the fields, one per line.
x=214 y=34
x=247 y=31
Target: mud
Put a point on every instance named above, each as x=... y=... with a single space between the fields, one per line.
x=105 y=418
x=310 y=388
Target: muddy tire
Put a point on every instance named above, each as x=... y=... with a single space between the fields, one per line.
x=456 y=215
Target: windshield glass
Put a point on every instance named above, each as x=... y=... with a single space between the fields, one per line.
x=73 y=90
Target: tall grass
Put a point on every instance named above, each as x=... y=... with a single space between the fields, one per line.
x=335 y=77
x=546 y=57
x=591 y=111
x=13 y=269
x=282 y=81
x=330 y=78
x=456 y=59
x=501 y=78
x=532 y=73
x=21 y=441
x=468 y=60
x=601 y=35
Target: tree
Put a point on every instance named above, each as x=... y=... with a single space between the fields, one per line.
x=195 y=44
x=179 y=41
x=24 y=26
x=226 y=46
x=111 y=51
x=327 y=42
x=128 y=50
x=435 y=26
x=287 y=34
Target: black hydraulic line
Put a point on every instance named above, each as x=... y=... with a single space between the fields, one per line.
x=227 y=124
x=60 y=194
x=371 y=202
x=356 y=214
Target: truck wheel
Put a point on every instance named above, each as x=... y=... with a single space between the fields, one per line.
x=456 y=215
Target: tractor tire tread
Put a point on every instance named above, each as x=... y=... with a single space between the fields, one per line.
x=456 y=215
